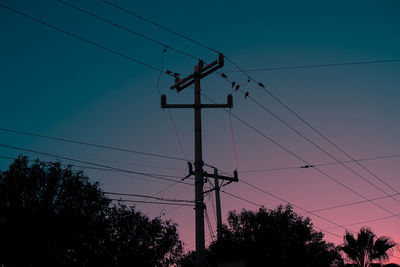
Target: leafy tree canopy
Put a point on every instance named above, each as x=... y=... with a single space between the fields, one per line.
x=54 y=216
x=277 y=237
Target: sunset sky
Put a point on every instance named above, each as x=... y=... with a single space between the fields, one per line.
x=57 y=85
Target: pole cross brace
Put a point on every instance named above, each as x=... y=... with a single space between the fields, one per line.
x=164 y=104
x=200 y=71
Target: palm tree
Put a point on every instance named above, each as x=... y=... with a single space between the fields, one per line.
x=366 y=248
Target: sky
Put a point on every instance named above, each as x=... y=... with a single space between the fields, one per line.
x=57 y=85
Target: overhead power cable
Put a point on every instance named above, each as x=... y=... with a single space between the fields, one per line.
x=322 y=164
x=152 y=202
x=148 y=196
x=320 y=148
x=92 y=144
x=158 y=25
x=126 y=29
x=241 y=198
x=366 y=221
x=301 y=159
x=354 y=203
x=80 y=38
x=318 y=65
x=329 y=140
x=155 y=176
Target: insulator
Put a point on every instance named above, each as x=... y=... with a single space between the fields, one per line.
x=163 y=101
x=230 y=101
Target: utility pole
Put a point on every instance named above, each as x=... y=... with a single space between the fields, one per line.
x=200 y=72
x=218 y=205
x=217 y=188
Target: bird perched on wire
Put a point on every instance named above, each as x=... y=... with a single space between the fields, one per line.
x=307 y=166
x=237 y=87
x=246 y=94
x=177 y=79
x=224 y=75
x=233 y=84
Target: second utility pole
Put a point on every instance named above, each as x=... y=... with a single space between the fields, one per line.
x=200 y=72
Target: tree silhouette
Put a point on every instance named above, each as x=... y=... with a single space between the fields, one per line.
x=54 y=216
x=366 y=248
x=277 y=237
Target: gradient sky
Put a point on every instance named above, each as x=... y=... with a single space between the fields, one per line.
x=54 y=84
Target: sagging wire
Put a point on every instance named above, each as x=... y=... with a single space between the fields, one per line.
x=169 y=112
x=210 y=230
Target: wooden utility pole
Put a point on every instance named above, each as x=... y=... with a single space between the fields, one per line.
x=217 y=188
x=218 y=205
x=200 y=72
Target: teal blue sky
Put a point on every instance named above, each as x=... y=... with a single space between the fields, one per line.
x=56 y=85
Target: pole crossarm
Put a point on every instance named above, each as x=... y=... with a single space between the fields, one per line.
x=201 y=72
x=164 y=104
x=214 y=175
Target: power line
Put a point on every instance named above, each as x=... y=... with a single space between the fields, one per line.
x=148 y=196
x=319 y=65
x=80 y=38
x=328 y=140
x=65 y=164
x=91 y=144
x=319 y=147
x=152 y=202
x=301 y=159
x=210 y=230
x=353 y=203
x=367 y=221
x=322 y=164
x=126 y=29
x=152 y=175
x=156 y=176
x=159 y=25
x=241 y=198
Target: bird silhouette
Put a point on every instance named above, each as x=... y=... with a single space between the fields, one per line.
x=237 y=87
x=224 y=76
x=307 y=166
x=246 y=94
x=233 y=84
